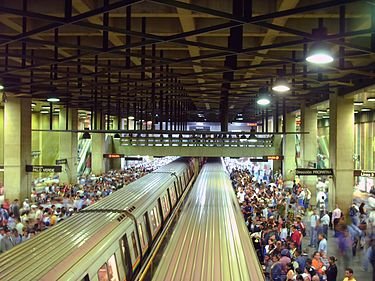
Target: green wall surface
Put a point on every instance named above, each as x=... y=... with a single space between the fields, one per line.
x=1 y=142
x=45 y=145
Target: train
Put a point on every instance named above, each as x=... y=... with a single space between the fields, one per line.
x=107 y=241
x=210 y=241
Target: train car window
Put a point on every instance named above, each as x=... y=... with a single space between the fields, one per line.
x=153 y=220
x=103 y=273
x=112 y=269
x=176 y=188
x=163 y=206
x=134 y=243
x=157 y=218
x=173 y=196
x=141 y=234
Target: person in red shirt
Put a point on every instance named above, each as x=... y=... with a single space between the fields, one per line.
x=296 y=236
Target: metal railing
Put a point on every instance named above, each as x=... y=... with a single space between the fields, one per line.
x=194 y=139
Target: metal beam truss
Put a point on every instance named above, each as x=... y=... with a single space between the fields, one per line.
x=134 y=72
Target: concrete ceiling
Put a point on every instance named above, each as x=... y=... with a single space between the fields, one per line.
x=178 y=58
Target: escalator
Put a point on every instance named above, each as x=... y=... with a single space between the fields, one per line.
x=84 y=154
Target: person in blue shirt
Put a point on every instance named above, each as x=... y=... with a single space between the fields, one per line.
x=322 y=243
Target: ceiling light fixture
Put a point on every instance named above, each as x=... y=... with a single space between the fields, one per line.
x=33 y=104
x=44 y=111
x=53 y=99
x=321 y=112
x=355 y=111
x=263 y=97
x=86 y=135
x=319 y=52
x=281 y=85
x=358 y=103
x=365 y=109
x=57 y=110
x=131 y=118
x=325 y=117
x=371 y=99
x=1 y=87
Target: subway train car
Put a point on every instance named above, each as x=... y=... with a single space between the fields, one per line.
x=107 y=240
x=210 y=241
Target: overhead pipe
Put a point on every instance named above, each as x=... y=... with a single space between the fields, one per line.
x=24 y=30
x=342 y=24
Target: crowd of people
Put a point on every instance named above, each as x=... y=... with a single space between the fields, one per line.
x=20 y=221
x=279 y=218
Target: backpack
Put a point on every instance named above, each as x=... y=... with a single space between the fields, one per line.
x=352 y=211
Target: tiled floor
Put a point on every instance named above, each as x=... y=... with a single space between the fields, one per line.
x=356 y=263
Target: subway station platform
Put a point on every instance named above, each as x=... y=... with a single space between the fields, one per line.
x=89 y=87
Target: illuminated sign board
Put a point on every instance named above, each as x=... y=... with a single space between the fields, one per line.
x=314 y=172
x=113 y=155
x=267 y=158
x=61 y=161
x=364 y=173
x=43 y=169
x=275 y=157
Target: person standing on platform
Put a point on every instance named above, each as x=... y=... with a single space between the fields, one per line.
x=322 y=243
x=353 y=213
x=7 y=242
x=349 y=274
x=324 y=220
x=336 y=215
x=313 y=231
x=307 y=197
x=332 y=269
x=15 y=208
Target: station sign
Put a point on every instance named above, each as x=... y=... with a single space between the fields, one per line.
x=61 y=161
x=133 y=158
x=275 y=157
x=43 y=169
x=266 y=158
x=113 y=155
x=364 y=173
x=314 y=172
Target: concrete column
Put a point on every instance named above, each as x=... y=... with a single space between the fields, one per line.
x=98 y=164
x=309 y=146
x=289 y=148
x=341 y=150
x=68 y=145
x=17 y=148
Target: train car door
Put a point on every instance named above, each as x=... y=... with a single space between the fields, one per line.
x=126 y=257
x=148 y=229
x=161 y=211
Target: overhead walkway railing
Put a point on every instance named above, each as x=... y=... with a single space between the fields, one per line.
x=197 y=139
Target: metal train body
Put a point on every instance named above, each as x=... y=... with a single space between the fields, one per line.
x=106 y=241
x=210 y=242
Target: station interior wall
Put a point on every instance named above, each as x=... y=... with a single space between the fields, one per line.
x=45 y=145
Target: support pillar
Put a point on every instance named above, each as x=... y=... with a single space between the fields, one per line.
x=17 y=148
x=289 y=148
x=98 y=149
x=68 y=145
x=341 y=150
x=309 y=147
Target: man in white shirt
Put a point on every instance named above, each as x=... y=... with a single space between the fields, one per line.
x=324 y=220
x=241 y=195
x=313 y=231
x=336 y=215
